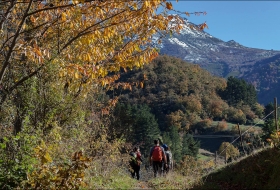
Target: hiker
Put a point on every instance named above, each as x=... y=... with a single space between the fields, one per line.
x=157 y=158
x=135 y=162
x=168 y=158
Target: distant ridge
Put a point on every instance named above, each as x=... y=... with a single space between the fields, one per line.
x=220 y=58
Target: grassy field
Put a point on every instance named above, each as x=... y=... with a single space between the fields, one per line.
x=256 y=125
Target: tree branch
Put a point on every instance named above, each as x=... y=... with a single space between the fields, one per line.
x=6 y=15
x=6 y=62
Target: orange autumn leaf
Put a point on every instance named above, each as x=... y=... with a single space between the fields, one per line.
x=169 y=5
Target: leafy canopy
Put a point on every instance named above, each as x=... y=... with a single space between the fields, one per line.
x=87 y=39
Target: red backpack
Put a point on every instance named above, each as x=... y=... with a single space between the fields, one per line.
x=157 y=154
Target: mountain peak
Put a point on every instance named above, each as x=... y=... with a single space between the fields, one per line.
x=233 y=43
x=199 y=47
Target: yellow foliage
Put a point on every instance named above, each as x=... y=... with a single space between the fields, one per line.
x=191 y=166
x=274 y=139
x=60 y=176
x=228 y=150
x=176 y=119
x=111 y=34
x=42 y=153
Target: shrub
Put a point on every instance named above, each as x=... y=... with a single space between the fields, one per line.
x=222 y=125
x=234 y=129
x=228 y=150
x=206 y=122
x=236 y=115
x=51 y=175
x=16 y=158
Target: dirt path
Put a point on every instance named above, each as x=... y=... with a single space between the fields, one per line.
x=145 y=176
x=142 y=185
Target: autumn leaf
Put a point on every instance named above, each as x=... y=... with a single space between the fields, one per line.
x=63 y=17
x=77 y=75
x=46 y=158
x=169 y=5
x=202 y=26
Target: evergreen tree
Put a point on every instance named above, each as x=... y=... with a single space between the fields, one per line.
x=268 y=109
x=175 y=143
x=237 y=91
x=145 y=126
x=166 y=139
x=136 y=124
x=122 y=124
x=269 y=125
x=190 y=146
x=268 y=128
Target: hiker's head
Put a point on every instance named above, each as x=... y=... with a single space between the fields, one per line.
x=156 y=142
x=165 y=147
x=136 y=149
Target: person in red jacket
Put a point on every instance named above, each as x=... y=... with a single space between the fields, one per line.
x=157 y=158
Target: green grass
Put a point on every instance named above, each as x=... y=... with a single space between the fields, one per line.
x=172 y=181
x=203 y=157
x=115 y=179
x=242 y=127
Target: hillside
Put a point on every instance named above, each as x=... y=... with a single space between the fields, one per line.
x=174 y=88
x=180 y=94
x=265 y=77
x=257 y=171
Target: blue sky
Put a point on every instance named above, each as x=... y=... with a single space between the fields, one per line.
x=251 y=23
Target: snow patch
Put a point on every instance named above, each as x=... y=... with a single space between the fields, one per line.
x=176 y=41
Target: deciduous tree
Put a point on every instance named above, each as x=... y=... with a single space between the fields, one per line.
x=228 y=150
x=87 y=39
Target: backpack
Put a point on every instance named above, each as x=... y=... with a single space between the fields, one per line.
x=157 y=154
x=133 y=160
x=168 y=157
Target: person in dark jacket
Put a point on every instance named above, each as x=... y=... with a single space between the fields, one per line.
x=135 y=162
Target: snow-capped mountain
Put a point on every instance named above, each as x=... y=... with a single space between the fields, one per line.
x=218 y=57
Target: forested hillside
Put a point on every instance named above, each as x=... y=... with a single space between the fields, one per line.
x=181 y=94
x=177 y=90
x=170 y=97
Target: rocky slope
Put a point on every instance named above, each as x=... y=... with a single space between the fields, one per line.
x=218 y=57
